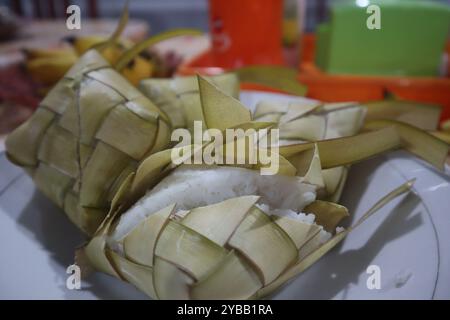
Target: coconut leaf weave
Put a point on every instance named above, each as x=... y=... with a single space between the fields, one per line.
x=88 y=134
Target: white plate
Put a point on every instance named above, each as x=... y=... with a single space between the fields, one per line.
x=409 y=240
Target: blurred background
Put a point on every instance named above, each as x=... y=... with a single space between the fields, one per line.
x=326 y=42
x=161 y=14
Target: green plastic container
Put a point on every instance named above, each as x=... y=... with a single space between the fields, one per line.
x=411 y=40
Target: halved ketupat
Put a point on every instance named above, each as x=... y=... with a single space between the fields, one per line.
x=237 y=248
x=235 y=230
x=88 y=134
x=227 y=232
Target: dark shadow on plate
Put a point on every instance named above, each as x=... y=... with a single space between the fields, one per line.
x=339 y=269
x=344 y=268
x=52 y=229
x=359 y=174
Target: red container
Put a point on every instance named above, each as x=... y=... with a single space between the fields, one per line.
x=245 y=32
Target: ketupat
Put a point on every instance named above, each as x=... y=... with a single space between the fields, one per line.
x=179 y=97
x=246 y=247
x=313 y=121
x=241 y=235
x=310 y=122
x=233 y=249
x=89 y=132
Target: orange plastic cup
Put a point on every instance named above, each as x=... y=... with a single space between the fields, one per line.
x=246 y=32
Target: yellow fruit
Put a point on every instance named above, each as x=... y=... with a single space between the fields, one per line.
x=49 y=70
x=83 y=44
x=34 y=53
x=111 y=54
x=140 y=68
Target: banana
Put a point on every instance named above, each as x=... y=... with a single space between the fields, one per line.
x=35 y=53
x=47 y=66
x=140 y=68
x=111 y=54
x=83 y=44
x=48 y=70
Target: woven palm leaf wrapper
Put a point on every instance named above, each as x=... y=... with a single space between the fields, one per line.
x=88 y=134
x=226 y=232
x=233 y=249
x=302 y=122
x=179 y=97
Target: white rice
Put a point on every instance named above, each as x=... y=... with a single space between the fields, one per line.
x=196 y=186
x=324 y=235
x=299 y=216
x=339 y=229
x=303 y=217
